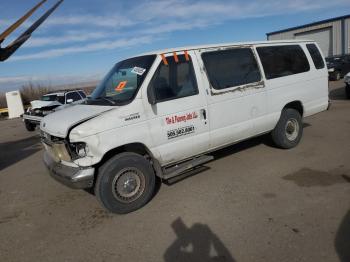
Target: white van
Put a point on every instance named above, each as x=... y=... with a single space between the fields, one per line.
x=160 y=114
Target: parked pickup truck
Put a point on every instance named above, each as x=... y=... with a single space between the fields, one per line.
x=158 y=115
x=338 y=66
x=49 y=103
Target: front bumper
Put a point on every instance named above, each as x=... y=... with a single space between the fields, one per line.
x=73 y=177
x=32 y=119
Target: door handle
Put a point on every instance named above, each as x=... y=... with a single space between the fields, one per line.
x=204 y=114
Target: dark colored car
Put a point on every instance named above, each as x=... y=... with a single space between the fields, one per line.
x=347 y=83
x=338 y=66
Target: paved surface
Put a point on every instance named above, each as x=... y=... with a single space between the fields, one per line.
x=253 y=203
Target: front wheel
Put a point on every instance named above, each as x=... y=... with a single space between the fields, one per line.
x=125 y=183
x=29 y=126
x=289 y=129
x=347 y=91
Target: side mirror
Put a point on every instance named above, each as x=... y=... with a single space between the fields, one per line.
x=69 y=101
x=151 y=96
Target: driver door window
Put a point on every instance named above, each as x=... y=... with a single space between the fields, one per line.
x=174 y=80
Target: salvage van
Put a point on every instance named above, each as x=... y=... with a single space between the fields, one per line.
x=158 y=115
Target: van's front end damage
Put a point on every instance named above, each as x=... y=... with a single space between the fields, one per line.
x=68 y=161
x=71 y=176
x=59 y=159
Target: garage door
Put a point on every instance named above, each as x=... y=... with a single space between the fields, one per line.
x=324 y=38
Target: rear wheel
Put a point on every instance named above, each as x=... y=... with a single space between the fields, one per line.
x=125 y=183
x=289 y=129
x=347 y=91
x=29 y=126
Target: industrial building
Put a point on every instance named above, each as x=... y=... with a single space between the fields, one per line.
x=332 y=35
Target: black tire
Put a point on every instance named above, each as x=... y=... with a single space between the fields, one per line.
x=347 y=91
x=29 y=126
x=289 y=129
x=111 y=175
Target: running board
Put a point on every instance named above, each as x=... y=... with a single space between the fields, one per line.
x=176 y=170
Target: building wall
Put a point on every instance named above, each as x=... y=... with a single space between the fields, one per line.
x=337 y=39
x=347 y=36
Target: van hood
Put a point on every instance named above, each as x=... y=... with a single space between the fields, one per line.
x=60 y=122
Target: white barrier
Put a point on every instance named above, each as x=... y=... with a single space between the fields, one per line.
x=14 y=104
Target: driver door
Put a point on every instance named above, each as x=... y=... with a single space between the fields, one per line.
x=179 y=124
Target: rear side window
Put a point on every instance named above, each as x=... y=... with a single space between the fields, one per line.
x=233 y=67
x=280 y=61
x=174 y=80
x=82 y=94
x=316 y=56
x=73 y=95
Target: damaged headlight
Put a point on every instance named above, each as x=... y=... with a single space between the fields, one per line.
x=59 y=152
x=79 y=149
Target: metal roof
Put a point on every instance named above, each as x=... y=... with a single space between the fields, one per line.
x=188 y=48
x=311 y=24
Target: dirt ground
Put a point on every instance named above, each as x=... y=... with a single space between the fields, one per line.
x=253 y=203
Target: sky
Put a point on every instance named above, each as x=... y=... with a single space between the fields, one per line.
x=82 y=39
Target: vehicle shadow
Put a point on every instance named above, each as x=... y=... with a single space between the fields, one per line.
x=197 y=243
x=14 y=151
x=227 y=151
x=221 y=153
x=338 y=94
x=342 y=239
x=241 y=146
x=246 y=144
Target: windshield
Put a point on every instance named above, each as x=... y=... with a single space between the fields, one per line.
x=121 y=84
x=50 y=98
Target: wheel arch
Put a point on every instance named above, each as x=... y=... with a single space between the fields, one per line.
x=297 y=105
x=138 y=148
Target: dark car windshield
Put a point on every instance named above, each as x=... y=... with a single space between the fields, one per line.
x=333 y=59
x=121 y=84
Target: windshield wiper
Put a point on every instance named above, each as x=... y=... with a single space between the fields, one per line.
x=106 y=99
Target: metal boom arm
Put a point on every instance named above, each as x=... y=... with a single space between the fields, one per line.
x=6 y=52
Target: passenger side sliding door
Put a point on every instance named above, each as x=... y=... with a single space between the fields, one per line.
x=236 y=94
x=178 y=119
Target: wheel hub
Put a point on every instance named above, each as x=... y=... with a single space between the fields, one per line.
x=292 y=129
x=128 y=185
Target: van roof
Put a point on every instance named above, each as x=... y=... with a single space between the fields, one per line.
x=188 y=48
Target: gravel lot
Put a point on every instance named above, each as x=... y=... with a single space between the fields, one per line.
x=253 y=203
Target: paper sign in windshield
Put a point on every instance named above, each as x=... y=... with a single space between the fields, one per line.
x=138 y=70
x=121 y=86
